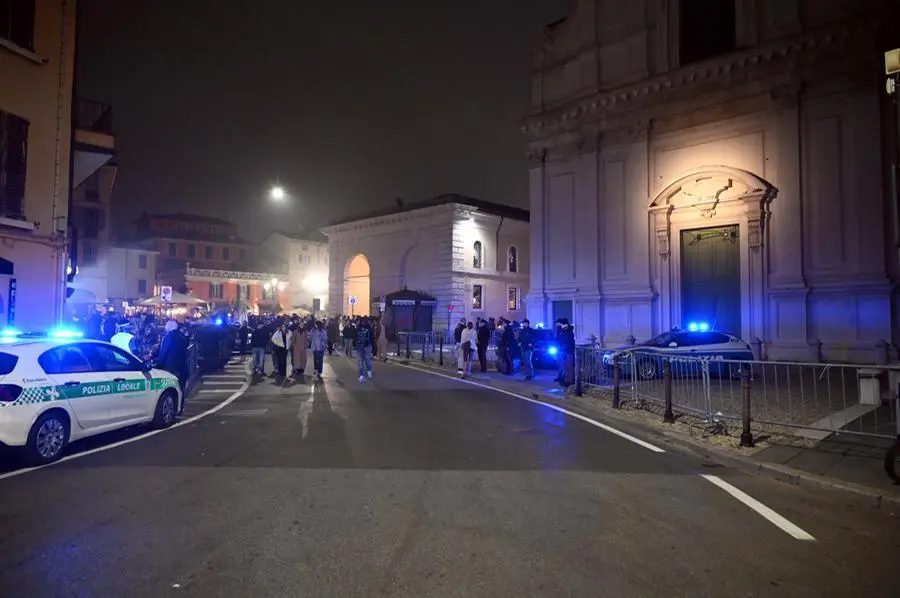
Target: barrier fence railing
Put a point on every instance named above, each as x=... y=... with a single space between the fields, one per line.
x=811 y=399
x=438 y=346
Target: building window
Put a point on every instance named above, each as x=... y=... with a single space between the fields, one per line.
x=477 y=255
x=215 y=290
x=513 y=298
x=512 y=259
x=225 y=253
x=305 y=260
x=17 y=22
x=268 y=293
x=243 y=254
x=207 y=252
x=89 y=255
x=13 y=158
x=142 y=262
x=142 y=286
x=192 y=251
x=173 y=250
x=708 y=29
x=92 y=188
x=304 y=248
x=477 y=294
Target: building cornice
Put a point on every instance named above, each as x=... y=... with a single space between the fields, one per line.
x=831 y=49
x=426 y=213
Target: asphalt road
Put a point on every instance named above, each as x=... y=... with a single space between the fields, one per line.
x=419 y=485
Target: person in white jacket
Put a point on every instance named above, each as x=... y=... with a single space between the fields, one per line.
x=466 y=346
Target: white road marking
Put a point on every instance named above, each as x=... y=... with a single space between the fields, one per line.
x=595 y=423
x=224 y=377
x=231 y=399
x=767 y=513
x=220 y=391
x=222 y=383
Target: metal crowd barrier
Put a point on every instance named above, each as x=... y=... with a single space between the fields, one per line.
x=808 y=399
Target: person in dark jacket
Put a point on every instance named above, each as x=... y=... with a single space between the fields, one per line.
x=259 y=340
x=565 y=340
x=505 y=348
x=527 y=340
x=482 y=340
x=363 y=340
x=173 y=357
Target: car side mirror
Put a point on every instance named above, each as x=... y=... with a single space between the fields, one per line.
x=673 y=345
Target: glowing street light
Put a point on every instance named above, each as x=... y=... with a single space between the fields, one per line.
x=277 y=193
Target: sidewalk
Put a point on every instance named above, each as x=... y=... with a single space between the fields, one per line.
x=853 y=464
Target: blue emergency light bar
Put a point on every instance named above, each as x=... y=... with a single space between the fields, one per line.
x=57 y=333
x=552 y=350
x=698 y=327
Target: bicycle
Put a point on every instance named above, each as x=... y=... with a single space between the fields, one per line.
x=892 y=461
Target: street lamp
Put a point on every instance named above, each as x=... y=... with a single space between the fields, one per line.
x=277 y=193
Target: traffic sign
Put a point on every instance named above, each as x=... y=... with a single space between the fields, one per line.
x=166 y=294
x=353 y=300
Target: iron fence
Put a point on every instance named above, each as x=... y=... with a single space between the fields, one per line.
x=812 y=399
x=436 y=347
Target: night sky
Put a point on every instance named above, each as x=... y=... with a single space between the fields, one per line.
x=348 y=104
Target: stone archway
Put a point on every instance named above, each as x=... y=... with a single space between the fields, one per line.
x=358 y=284
x=704 y=199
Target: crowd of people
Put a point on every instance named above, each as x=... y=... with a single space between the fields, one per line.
x=291 y=339
x=515 y=345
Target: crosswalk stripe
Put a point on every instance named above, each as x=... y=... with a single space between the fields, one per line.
x=221 y=391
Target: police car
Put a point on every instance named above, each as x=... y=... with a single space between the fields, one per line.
x=721 y=350
x=58 y=388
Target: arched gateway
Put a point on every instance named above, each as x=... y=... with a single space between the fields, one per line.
x=709 y=231
x=357 y=284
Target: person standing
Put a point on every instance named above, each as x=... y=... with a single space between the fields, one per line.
x=381 y=341
x=457 y=341
x=299 y=342
x=467 y=339
x=318 y=343
x=364 y=349
x=258 y=342
x=173 y=357
x=280 y=344
x=482 y=340
x=527 y=338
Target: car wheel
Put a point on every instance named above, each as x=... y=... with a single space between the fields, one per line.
x=647 y=369
x=48 y=438
x=166 y=410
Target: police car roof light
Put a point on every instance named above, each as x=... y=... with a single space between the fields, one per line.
x=8 y=332
x=698 y=327
x=61 y=333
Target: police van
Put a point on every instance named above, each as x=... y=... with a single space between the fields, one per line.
x=58 y=388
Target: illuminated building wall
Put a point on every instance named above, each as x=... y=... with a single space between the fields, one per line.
x=733 y=176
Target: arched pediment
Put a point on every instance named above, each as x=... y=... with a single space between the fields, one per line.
x=709 y=185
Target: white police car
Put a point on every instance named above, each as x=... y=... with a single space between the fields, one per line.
x=723 y=352
x=57 y=388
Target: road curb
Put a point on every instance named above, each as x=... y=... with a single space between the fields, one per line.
x=866 y=495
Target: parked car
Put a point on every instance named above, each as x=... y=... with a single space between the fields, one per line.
x=723 y=351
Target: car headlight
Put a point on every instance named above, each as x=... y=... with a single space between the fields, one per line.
x=552 y=350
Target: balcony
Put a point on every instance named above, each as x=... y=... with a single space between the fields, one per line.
x=94 y=143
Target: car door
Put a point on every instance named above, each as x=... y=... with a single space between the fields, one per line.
x=130 y=397
x=85 y=390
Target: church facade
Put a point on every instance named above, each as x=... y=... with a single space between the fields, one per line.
x=719 y=163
